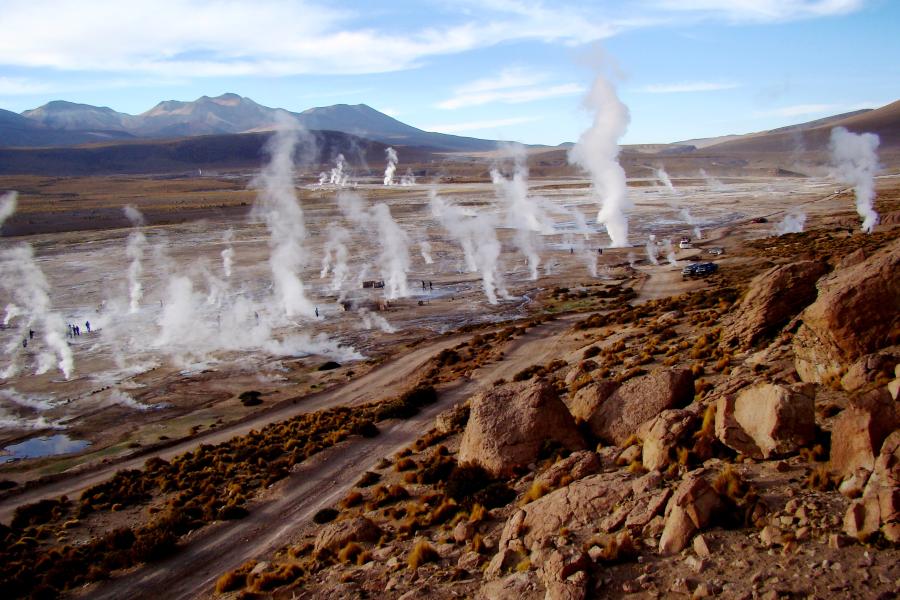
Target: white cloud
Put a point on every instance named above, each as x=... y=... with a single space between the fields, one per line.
x=687 y=86
x=18 y=86
x=206 y=38
x=759 y=11
x=266 y=37
x=480 y=125
x=510 y=86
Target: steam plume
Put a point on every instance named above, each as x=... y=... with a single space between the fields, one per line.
x=670 y=252
x=335 y=257
x=391 y=166
x=477 y=235
x=8 y=203
x=854 y=159
x=408 y=178
x=277 y=201
x=793 y=222
x=394 y=261
x=523 y=214
x=425 y=251
x=228 y=254
x=134 y=250
x=652 y=250
x=338 y=177
x=597 y=151
x=666 y=180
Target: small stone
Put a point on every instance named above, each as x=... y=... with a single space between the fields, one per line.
x=786 y=521
x=701 y=547
x=631 y=587
x=770 y=535
x=697 y=565
x=802 y=534
x=702 y=591
x=680 y=586
x=838 y=540
x=782 y=467
x=792 y=505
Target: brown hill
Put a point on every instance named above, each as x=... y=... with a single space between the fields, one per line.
x=232 y=151
x=884 y=121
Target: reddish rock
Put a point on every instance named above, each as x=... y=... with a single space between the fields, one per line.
x=859 y=430
x=853 y=316
x=638 y=400
x=335 y=536
x=508 y=425
x=572 y=468
x=869 y=369
x=691 y=508
x=767 y=420
x=773 y=298
x=584 y=403
x=663 y=434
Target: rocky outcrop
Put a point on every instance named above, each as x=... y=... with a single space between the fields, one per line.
x=336 y=535
x=879 y=507
x=638 y=400
x=859 y=431
x=662 y=435
x=870 y=369
x=689 y=510
x=508 y=425
x=772 y=300
x=767 y=420
x=572 y=468
x=575 y=507
x=853 y=316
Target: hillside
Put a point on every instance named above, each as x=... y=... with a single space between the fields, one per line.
x=16 y=130
x=884 y=121
x=230 y=151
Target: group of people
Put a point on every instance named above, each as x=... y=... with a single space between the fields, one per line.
x=75 y=330
x=429 y=285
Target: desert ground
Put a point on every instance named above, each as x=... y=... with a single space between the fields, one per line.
x=188 y=369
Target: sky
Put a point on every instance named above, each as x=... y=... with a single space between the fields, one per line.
x=497 y=69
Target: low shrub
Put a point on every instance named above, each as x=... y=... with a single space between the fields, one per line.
x=325 y=515
x=422 y=553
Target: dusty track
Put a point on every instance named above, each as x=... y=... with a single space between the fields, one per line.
x=319 y=482
x=390 y=377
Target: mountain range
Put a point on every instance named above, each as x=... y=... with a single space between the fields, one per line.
x=66 y=123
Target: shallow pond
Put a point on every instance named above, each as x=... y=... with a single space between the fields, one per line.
x=48 y=445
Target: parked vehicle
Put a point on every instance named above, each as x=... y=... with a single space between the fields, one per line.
x=684 y=245
x=699 y=269
x=716 y=251
x=760 y=220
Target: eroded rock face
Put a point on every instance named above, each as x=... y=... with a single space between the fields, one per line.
x=870 y=368
x=638 y=400
x=773 y=298
x=858 y=432
x=854 y=315
x=508 y=425
x=767 y=420
x=335 y=536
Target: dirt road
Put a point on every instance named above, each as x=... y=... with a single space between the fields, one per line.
x=389 y=378
x=318 y=483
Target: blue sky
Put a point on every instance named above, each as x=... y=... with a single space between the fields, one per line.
x=510 y=69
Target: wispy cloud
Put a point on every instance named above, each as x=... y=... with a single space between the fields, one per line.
x=811 y=110
x=480 y=125
x=758 y=11
x=511 y=86
x=687 y=87
x=211 y=38
x=19 y=86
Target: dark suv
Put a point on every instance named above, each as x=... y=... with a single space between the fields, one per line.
x=699 y=269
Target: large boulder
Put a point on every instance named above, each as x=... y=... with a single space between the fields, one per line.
x=336 y=535
x=587 y=401
x=767 y=420
x=871 y=368
x=638 y=400
x=690 y=509
x=509 y=424
x=576 y=507
x=772 y=300
x=859 y=431
x=879 y=507
x=572 y=468
x=852 y=316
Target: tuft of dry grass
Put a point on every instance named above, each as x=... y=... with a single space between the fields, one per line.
x=537 y=490
x=422 y=553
